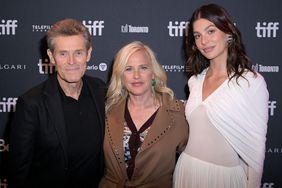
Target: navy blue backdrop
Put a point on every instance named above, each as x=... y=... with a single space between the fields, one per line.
x=113 y=23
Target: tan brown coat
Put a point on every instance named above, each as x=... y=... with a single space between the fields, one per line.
x=156 y=158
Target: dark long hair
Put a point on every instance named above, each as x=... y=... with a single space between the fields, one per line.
x=237 y=60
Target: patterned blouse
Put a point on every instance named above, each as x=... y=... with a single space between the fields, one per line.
x=133 y=139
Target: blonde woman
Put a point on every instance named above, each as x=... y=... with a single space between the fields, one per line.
x=145 y=124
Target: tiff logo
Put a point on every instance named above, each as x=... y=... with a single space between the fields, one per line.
x=46 y=67
x=3 y=147
x=8 y=104
x=267 y=185
x=271 y=107
x=3 y=183
x=8 y=27
x=95 y=27
x=267 y=30
x=176 y=29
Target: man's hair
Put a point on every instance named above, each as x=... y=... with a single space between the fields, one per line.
x=68 y=27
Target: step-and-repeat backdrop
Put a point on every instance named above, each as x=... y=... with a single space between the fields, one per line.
x=113 y=23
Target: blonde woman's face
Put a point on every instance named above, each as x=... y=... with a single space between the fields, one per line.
x=137 y=76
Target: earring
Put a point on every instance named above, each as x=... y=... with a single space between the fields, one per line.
x=154 y=82
x=229 y=39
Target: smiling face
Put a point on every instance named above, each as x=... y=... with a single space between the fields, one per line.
x=210 y=41
x=138 y=74
x=70 y=57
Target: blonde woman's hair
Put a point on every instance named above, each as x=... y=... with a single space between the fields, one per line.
x=117 y=92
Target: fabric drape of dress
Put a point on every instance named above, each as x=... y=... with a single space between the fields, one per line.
x=239 y=112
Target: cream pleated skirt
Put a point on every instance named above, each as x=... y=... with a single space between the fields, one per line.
x=191 y=172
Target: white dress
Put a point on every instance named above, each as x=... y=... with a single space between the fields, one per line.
x=226 y=144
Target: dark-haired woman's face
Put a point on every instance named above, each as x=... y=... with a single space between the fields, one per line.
x=210 y=41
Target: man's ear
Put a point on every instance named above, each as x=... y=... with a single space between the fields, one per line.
x=89 y=54
x=50 y=55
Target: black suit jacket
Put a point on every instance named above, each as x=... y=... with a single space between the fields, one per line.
x=38 y=141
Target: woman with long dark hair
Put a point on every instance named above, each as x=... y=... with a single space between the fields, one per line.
x=227 y=109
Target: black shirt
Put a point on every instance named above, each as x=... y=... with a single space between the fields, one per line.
x=84 y=140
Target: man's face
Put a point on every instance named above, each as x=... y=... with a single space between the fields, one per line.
x=70 y=57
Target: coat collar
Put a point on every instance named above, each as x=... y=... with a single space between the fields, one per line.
x=164 y=121
x=55 y=109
